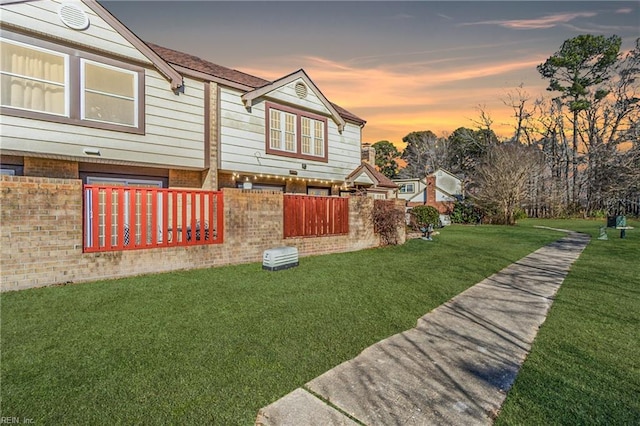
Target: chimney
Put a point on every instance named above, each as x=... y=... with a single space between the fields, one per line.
x=368 y=154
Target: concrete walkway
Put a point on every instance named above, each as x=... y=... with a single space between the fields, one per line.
x=454 y=367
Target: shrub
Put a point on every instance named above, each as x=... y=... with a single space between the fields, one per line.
x=387 y=221
x=520 y=214
x=424 y=215
x=465 y=212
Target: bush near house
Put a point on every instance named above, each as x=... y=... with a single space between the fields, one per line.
x=422 y=216
x=387 y=220
x=465 y=212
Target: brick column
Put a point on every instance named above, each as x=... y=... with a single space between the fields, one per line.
x=210 y=175
x=431 y=190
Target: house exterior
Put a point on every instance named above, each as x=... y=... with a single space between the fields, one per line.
x=176 y=120
x=438 y=189
x=110 y=146
x=83 y=97
x=282 y=135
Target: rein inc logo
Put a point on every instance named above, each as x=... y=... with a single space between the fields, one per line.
x=16 y=420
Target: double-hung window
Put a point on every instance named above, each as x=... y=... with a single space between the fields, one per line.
x=407 y=188
x=294 y=133
x=108 y=94
x=282 y=130
x=51 y=82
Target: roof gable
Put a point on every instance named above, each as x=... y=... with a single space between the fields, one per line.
x=441 y=170
x=376 y=178
x=249 y=97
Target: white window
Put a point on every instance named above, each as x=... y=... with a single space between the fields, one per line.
x=407 y=188
x=52 y=82
x=306 y=135
x=294 y=133
x=34 y=79
x=318 y=138
x=108 y=94
x=282 y=127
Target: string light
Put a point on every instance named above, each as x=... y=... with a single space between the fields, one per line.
x=247 y=178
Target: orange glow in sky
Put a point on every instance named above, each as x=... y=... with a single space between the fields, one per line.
x=403 y=66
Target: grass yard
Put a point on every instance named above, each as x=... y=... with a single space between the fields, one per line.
x=584 y=367
x=213 y=346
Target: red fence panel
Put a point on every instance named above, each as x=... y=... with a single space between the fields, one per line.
x=312 y=216
x=129 y=218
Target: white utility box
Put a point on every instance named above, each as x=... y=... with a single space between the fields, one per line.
x=279 y=258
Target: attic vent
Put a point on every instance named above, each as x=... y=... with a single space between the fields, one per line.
x=301 y=90
x=73 y=16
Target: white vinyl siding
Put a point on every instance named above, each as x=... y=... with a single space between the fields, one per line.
x=43 y=16
x=287 y=95
x=174 y=131
x=242 y=144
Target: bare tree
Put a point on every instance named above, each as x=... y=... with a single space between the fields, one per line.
x=517 y=101
x=425 y=152
x=502 y=181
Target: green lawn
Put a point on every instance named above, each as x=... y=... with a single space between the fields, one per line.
x=213 y=346
x=584 y=367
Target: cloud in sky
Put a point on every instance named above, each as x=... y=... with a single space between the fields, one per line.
x=393 y=100
x=548 y=21
x=402 y=66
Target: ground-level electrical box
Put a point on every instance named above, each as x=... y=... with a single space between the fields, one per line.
x=279 y=258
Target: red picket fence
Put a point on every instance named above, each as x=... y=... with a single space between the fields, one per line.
x=128 y=218
x=311 y=216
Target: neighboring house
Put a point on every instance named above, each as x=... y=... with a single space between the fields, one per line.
x=440 y=189
x=282 y=135
x=366 y=178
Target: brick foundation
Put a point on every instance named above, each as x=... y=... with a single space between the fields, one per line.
x=41 y=236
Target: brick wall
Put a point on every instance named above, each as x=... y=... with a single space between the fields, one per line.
x=46 y=167
x=41 y=236
x=185 y=178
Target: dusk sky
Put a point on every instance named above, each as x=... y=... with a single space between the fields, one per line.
x=402 y=66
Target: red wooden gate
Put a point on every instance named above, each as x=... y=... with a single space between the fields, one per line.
x=311 y=216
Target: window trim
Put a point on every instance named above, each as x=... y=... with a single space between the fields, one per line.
x=405 y=185
x=298 y=129
x=65 y=84
x=84 y=90
x=73 y=82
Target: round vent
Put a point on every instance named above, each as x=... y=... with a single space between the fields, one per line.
x=73 y=16
x=301 y=90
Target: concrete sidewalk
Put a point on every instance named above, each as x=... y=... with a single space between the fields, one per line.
x=454 y=367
